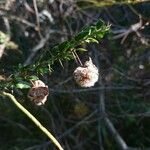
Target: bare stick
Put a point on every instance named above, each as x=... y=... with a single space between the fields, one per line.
x=36 y=122
x=101 y=96
x=120 y=142
x=37 y=17
x=107 y=88
x=36 y=48
x=118 y=139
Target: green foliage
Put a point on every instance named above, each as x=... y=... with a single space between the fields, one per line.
x=64 y=51
x=3 y=37
x=61 y=52
x=22 y=85
x=33 y=78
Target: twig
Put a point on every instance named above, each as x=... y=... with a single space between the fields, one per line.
x=146 y=114
x=3 y=13
x=36 y=122
x=120 y=142
x=28 y=8
x=37 y=17
x=63 y=82
x=5 y=19
x=136 y=12
x=78 y=124
x=102 y=113
x=132 y=148
x=97 y=89
x=22 y=21
x=15 y=124
x=36 y=48
x=123 y=33
x=124 y=75
x=75 y=126
x=101 y=96
x=118 y=139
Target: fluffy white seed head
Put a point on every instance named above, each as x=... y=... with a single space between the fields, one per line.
x=87 y=75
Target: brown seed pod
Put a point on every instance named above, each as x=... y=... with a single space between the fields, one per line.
x=80 y=110
x=87 y=75
x=38 y=93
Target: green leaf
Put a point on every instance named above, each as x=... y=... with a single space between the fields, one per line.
x=89 y=40
x=43 y=70
x=33 y=78
x=23 y=85
x=81 y=35
x=81 y=49
x=64 y=45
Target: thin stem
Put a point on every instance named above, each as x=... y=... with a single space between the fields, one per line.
x=37 y=123
x=118 y=139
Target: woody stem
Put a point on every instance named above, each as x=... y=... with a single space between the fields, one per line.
x=35 y=121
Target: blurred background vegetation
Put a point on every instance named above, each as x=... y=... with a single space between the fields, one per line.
x=30 y=27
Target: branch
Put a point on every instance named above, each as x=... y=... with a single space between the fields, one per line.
x=100 y=88
x=120 y=142
x=101 y=96
x=36 y=48
x=36 y=122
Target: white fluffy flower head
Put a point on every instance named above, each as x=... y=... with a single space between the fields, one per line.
x=87 y=75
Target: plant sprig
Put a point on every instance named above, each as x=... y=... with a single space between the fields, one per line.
x=33 y=119
x=61 y=52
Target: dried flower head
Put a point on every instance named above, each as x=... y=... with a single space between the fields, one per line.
x=80 y=110
x=87 y=75
x=38 y=93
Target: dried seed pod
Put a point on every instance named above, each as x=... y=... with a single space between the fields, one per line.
x=80 y=110
x=38 y=93
x=87 y=75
